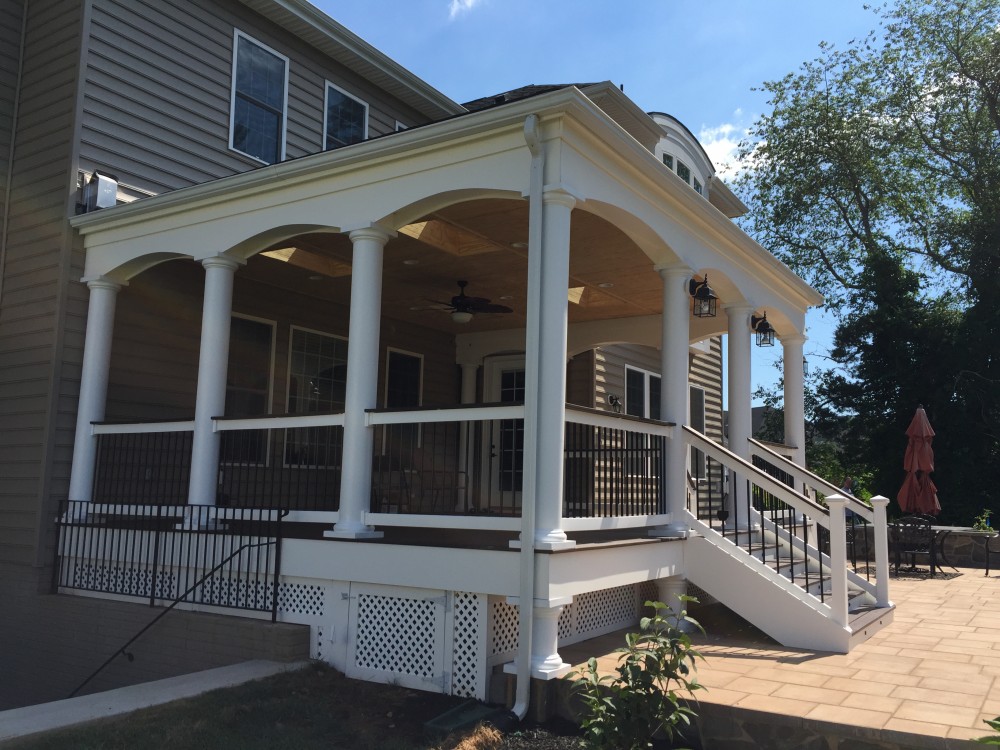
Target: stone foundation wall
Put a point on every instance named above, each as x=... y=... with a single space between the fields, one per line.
x=961 y=548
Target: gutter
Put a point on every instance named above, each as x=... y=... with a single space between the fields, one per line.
x=526 y=591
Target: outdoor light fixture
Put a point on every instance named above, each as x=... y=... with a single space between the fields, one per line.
x=763 y=329
x=705 y=298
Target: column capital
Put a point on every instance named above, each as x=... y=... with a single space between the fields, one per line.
x=559 y=196
x=103 y=282
x=221 y=261
x=370 y=232
x=793 y=338
x=739 y=307
x=673 y=271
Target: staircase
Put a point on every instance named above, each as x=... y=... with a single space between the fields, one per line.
x=779 y=557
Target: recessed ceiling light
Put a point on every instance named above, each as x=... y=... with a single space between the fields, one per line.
x=411 y=262
x=605 y=285
x=316 y=277
x=507 y=296
x=518 y=244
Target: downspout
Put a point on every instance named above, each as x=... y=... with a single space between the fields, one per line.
x=13 y=139
x=526 y=591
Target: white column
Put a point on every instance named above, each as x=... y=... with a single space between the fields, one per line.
x=838 y=559
x=670 y=590
x=360 y=391
x=548 y=403
x=546 y=663
x=794 y=377
x=675 y=339
x=469 y=372
x=740 y=414
x=880 y=530
x=213 y=362
x=93 y=384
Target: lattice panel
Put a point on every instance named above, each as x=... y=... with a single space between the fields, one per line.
x=566 y=617
x=597 y=610
x=124 y=580
x=505 y=628
x=396 y=634
x=317 y=646
x=648 y=592
x=301 y=599
x=235 y=592
x=467 y=659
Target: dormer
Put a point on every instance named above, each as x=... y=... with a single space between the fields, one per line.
x=683 y=155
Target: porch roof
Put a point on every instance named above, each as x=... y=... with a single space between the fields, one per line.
x=469 y=173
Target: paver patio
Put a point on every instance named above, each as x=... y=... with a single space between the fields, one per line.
x=934 y=672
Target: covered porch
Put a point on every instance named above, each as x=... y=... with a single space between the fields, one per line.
x=277 y=340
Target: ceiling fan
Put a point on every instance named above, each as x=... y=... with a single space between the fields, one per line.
x=464 y=307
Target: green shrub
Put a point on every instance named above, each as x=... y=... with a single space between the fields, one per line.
x=648 y=695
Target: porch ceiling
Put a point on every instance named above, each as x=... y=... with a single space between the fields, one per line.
x=479 y=241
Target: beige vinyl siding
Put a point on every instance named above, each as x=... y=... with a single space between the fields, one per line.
x=35 y=277
x=10 y=52
x=705 y=372
x=157 y=98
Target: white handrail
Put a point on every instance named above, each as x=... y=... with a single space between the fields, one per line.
x=139 y=428
x=779 y=489
x=804 y=476
x=453 y=414
x=282 y=422
x=617 y=422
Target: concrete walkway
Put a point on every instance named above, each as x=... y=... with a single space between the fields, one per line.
x=20 y=722
x=927 y=680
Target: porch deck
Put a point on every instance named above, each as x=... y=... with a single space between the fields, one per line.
x=928 y=680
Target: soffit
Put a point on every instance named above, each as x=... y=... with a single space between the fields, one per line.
x=417 y=275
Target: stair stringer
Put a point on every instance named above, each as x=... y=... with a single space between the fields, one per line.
x=765 y=598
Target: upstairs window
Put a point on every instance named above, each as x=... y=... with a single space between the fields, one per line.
x=668 y=161
x=259 y=99
x=697 y=187
x=346 y=118
x=684 y=171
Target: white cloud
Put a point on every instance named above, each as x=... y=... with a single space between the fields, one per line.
x=458 y=7
x=721 y=143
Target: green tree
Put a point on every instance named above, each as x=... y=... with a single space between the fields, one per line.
x=876 y=176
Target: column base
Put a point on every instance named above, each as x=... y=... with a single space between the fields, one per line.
x=673 y=531
x=352 y=534
x=545 y=545
x=542 y=672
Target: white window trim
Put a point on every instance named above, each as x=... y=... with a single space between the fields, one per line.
x=288 y=383
x=646 y=380
x=237 y=34
x=270 y=383
x=420 y=391
x=326 y=109
x=288 y=368
x=274 y=352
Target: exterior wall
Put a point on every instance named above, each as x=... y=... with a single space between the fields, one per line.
x=157 y=95
x=62 y=639
x=11 y=15
x=35 y=321
x=580 y=380
x=154 y=366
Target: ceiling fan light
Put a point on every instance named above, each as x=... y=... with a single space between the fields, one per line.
x=461 y=316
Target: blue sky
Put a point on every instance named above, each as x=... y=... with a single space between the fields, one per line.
x=698 y=61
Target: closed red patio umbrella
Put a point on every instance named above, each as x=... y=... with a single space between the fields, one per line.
x=918 y=493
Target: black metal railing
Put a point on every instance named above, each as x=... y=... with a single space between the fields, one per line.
x=449 y=467
x=613 y=471
x=197 y=554
x=143 y=468
x=295 y=468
